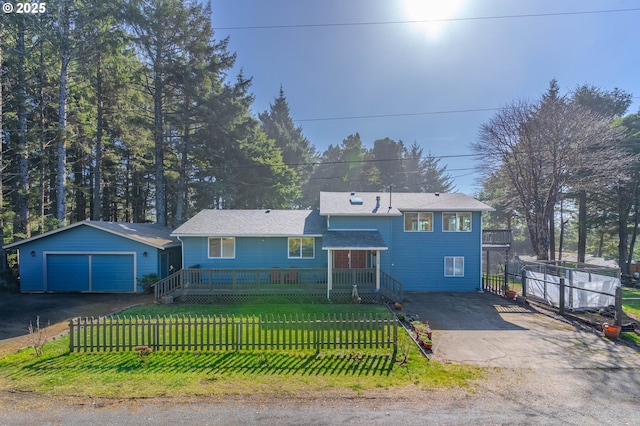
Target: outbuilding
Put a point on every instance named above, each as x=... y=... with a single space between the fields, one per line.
x=96 y=257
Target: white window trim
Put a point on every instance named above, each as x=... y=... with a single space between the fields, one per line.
x=458 y=221
x=233 y=256
x=455 y=258
x=300 y=257
x=404 y=223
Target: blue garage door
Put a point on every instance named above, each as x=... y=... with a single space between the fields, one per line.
x=90 y=272
x=67 y=272
x=112 y=272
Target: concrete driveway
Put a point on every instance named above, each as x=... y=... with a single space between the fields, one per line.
x=488 y=330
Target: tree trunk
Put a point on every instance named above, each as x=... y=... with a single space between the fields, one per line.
x=43 y=140
x=184 y=159
x=3 y=254
x=23 y=153
x=636 y=219
x=161 y=213
x=552 y=239
x=623 y=232
x=97 y=168
x=582 y=226
x=65 y=56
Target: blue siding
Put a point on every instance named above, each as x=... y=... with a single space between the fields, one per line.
x=416 y=259
x=251 y=253
x=80 y=239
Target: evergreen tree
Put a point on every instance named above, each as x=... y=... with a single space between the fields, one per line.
x=297 y=151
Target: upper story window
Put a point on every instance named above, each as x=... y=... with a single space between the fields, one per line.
x=302 y=248
x=418 y=221
x=222 y=247
x=456 y=222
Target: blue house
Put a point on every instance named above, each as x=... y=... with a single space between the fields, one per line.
x=96 y=257
x=377 y=241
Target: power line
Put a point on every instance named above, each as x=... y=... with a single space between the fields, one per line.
x=408 y=114
x=423 y=21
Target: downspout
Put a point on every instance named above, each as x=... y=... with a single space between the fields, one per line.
x=181 y=251
x=378 y=270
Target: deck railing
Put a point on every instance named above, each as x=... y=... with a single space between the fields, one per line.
x=274 y=280
x=497 y=237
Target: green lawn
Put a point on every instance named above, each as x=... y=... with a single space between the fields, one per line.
x=631 y=307
x=191 y=373
x=254 y=309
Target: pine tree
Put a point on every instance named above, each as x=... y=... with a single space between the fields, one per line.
x=297 y=151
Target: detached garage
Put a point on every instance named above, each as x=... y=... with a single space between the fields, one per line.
x=96 y=257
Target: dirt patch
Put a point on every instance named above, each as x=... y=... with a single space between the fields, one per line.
x=17 y=311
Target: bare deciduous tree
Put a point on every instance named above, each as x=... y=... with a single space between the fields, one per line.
x=542 y=148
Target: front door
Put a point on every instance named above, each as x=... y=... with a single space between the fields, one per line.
x=350 y=267
x=350 y=259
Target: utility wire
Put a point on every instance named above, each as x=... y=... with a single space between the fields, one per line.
x=423 y=21
x=408 y=114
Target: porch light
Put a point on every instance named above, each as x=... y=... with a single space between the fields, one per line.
x=145 y=254
x=33 y=253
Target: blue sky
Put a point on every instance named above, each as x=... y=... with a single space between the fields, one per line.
x=433 y=83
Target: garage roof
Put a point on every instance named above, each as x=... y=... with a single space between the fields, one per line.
x=152 y=234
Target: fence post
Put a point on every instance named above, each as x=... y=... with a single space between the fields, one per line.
x=619 y=306
x=316 y=333
x=71 y=335
x=524 y=283
x=506 y=274
x=561 y=302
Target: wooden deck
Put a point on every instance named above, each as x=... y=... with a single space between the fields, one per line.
x=294 y=284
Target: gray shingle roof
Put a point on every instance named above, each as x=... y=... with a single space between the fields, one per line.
x=253 y=223
x=359 y=240
x=147 y=233
x=338 y=203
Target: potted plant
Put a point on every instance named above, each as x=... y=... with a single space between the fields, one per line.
x=611 y=331
x=398 y=306
x=419 y=328
x=401 y=316
x=426 y=342
x=510 y=293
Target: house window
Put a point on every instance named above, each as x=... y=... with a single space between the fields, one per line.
x=222 y=247
x=456 y=222
x=418 y=222
x=454 y=266
x=302 y=248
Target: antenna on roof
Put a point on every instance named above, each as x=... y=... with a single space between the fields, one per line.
x=390 y=193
